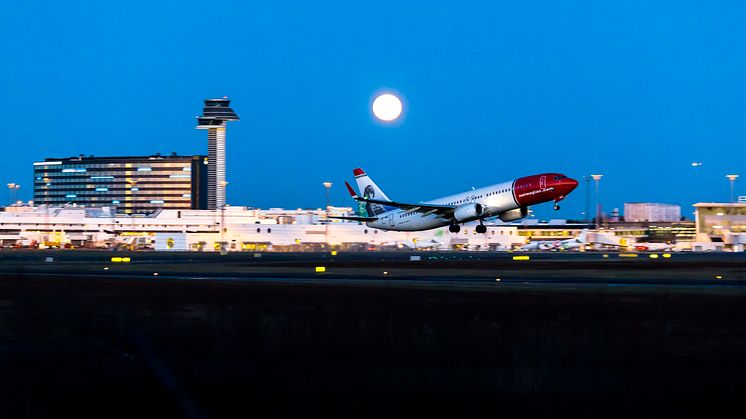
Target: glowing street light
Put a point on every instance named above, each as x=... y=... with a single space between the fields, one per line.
x=327 y=186
x=12 y=188
x=587 y=199
x=732 y=179
x=597 y=179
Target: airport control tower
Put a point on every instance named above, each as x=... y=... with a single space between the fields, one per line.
x=214 y=119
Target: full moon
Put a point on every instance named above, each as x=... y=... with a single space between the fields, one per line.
x=387 y=107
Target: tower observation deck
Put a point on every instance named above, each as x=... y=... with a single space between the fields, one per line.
x=214 y=119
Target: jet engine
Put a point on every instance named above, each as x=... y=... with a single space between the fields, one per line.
x=468 y=212
x=515 y=214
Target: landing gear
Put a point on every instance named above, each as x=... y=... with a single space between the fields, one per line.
x=481 y=229
x=556 y=207
x=454 y=228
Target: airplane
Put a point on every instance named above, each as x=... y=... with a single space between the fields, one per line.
x=419 y=244
x=509 y=201
x=538 y=245
x=653 y=247
x=567 y=244
x=575 y=242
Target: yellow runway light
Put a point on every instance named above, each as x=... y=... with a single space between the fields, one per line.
x=320 y=269
x=628 y=255
x=521 y=257
x=653 y=256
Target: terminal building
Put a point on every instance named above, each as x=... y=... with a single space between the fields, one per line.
x=720 y=226
x=129 y=185
x=230 y=229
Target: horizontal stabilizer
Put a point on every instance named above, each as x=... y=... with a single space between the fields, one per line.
x=363 y=219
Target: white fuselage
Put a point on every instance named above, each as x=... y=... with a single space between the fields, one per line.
x=495 y=199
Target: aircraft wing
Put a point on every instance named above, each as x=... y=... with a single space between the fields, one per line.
x=426 y=209
x=364 y=219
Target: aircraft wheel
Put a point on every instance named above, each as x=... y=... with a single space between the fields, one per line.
x=454 y=228
x=556 y=207
x=481 y=229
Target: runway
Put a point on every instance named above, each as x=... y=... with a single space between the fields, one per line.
x=443 y=269
x=267 y=336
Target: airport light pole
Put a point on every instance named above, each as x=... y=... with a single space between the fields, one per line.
x=327 y=186
x=597 y=179
x=732 y=179
x=587 y=199
x=12 y=188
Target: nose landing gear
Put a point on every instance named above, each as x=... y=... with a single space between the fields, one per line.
x=454 y=228
x=481 y=229
x=556 y=202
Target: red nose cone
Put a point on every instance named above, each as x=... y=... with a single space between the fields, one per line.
x=567 y=185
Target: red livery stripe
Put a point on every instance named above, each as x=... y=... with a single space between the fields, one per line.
x=358 y=172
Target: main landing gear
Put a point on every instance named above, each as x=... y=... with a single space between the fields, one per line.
x=455 y=228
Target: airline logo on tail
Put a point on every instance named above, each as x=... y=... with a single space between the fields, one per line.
x=371 y=191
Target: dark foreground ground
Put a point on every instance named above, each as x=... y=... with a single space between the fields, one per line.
x=78 y=340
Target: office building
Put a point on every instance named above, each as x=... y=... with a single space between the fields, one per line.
x=648 y=211
x=130 y=185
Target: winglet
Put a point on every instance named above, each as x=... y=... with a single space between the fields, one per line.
x=358 y=172
x=352 y=191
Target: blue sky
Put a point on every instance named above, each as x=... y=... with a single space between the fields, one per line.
x=492 y=90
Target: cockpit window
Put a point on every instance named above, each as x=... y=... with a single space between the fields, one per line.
x=559 y=177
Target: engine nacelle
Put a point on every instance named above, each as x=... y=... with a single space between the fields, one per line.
x=515 y=214
x=468 y=212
